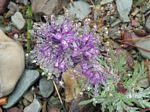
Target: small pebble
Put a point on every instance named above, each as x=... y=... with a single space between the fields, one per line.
x=16 y=36
x=147 y=24
x=25 y=102
x=18 y=20
x=12 y=9
x=46 y=87
x=35 y=106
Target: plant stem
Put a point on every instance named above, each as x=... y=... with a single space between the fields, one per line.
x=29 y=27
x=59 y=95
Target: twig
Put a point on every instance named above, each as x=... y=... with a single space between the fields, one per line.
x=134 y=46
x=145 y=110
x=137 y=39
x=59 y=95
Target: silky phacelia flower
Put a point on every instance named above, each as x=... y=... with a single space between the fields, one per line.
x=66 y=44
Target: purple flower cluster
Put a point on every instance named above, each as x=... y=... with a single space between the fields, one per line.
x=61 y=46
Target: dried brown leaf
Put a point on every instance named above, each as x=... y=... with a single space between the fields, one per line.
x=121 y=88
x=72 y=87
x=126 y=36
x=140 y=33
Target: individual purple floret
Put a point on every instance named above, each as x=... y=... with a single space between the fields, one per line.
x=65 y=45
x=94 y=75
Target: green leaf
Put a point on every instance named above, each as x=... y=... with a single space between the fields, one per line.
x=103 y=107
x=143 y=103
x=146 y=104
x=138 y=73
x=120 y=106
x=110 y=108
x=125 y=99
x=143 y=94
x=138 y=2
x=133 y=110
x=85 y=102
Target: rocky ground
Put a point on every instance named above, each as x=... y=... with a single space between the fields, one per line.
x=123 y=24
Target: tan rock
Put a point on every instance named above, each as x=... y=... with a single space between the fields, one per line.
x=11 y=64
x=44 y=6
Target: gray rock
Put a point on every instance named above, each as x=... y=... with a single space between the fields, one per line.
x=116 y=22
x=103 y=2
x=80 y=9
x=46 y=87
x=143 y=83
x=18 y=20
x=144 y=45
x=25 y=2
x=35 y=106
x=147 y=24
x=6 y=28
x=27 y=79
x=11 y=64
x=12 y=6
x=28 y=96
x=12 y=9
x=124 y=7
